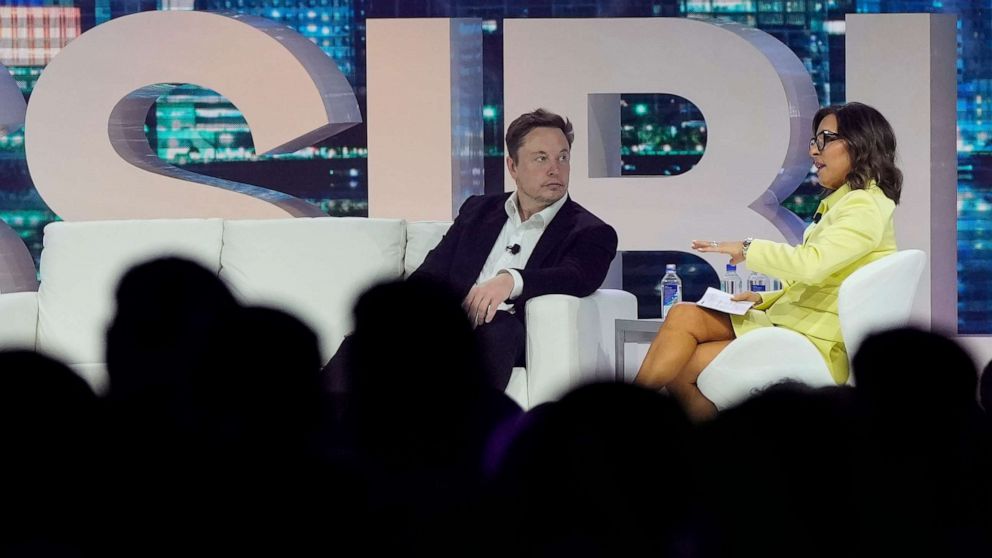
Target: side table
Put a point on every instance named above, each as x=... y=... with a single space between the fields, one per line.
x=633 y=331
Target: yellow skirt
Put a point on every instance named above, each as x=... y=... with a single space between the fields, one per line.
x=833 y=352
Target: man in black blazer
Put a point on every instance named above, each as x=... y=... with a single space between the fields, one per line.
x=504 y=249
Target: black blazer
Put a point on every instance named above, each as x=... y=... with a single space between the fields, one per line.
x=572 y=257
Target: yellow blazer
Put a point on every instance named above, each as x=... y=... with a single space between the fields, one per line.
x=855 y=229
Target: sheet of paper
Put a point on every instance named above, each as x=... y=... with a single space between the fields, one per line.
x=719 y=300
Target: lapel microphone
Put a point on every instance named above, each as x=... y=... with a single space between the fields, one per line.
x=514 y=249
x=816 y=218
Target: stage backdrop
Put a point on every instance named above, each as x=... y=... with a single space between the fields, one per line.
x=170 y=145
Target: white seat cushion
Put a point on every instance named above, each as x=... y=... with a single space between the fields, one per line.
x=516 y=389
x=421 y=238
x=313 y=268
x=95 y=374
x=82 y=264
x=760 y=359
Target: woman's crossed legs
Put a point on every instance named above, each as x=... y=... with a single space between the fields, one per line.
x=687 y=342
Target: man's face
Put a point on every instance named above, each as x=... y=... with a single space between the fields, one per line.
x=541 y=168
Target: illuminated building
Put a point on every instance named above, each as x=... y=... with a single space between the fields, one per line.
x=660 y=135
x=974 y=226
x=197 y=126
x=329 y=24
x=33 y=35
x=30 y=36
x=797 y=23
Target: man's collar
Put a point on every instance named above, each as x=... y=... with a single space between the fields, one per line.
x=543 y=217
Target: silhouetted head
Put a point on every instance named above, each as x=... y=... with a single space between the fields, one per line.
x=601 y=472
x=783 y=458
x=925 y=462
x=412 y=338
x=50 y=442
x=915 y=374
x=168 y=312
x=415 y=369
x=419 y=415
x=46 y=410
x=258 y=388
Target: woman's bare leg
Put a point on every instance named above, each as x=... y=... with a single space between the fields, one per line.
x=684 y=389
x=685 y=328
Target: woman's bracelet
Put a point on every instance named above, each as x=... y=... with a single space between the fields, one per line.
x=747 y=244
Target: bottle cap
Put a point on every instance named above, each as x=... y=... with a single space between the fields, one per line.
x=669 y=267
x=731 y=267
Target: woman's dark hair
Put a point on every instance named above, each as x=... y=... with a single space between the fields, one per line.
x=871 y=144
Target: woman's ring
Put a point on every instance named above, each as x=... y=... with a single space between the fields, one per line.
x=714 y=244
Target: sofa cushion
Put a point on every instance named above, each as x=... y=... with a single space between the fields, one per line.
x=82 y=263
x=421 y=238
x=314 y=268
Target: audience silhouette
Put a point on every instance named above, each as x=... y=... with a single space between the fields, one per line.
x=49 y=433
x=776 y=475
x=217 y=434
x=602 y=472
x=218 y=404
x=925 y=459
x=419 y=418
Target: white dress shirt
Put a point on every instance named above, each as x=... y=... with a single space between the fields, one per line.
x=514 y=232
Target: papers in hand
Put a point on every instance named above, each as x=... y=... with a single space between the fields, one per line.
x=719 y=300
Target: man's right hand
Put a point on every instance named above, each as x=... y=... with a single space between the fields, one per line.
x=484 y=299
x=747 y=296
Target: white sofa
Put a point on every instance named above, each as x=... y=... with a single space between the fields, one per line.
x=312 y=267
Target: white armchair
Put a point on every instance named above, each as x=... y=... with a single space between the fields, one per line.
x=877 y=297
x=569 y=343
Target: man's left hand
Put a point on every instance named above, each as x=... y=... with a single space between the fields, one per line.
x=484 y=298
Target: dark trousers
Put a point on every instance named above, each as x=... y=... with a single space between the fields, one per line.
x=501 y=342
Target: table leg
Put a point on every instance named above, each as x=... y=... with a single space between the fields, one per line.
x=621 y=341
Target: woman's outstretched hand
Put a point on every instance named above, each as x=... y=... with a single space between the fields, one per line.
x=733 y=248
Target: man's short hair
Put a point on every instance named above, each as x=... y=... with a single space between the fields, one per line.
x=526 y=122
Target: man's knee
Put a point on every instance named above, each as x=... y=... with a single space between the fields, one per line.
x=504 y=330
x=501 y=343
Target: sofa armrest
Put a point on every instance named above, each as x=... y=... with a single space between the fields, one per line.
x=758 y=360
x=19 y=320
x=570 y=340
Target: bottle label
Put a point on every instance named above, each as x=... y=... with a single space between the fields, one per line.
x=670 y=294
x=756 y=288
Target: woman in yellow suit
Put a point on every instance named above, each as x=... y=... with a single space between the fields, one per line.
x=853 y=149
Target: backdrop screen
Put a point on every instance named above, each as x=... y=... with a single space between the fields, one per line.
x=203 y=132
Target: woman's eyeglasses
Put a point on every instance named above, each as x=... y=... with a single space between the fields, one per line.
x=822 y=139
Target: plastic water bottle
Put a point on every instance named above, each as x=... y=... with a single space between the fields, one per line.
x=731 y=283
x=671 y=290
x=776 y=284
x=758 y=282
